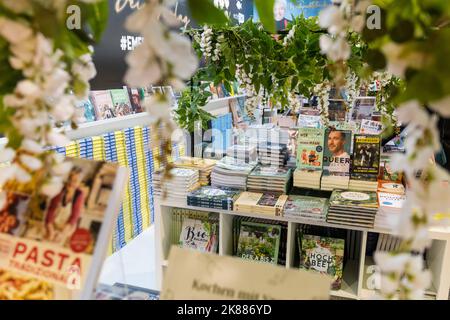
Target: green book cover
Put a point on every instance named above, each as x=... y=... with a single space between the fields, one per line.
x=121 y=102
x=354 y=199
x=259 y=242
x=310 y=148
x=306 y=205
x=324 y=255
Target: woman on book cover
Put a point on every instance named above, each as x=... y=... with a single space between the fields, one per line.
x=65 y=209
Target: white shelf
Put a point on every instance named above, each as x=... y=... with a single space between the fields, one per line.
x=354 y=272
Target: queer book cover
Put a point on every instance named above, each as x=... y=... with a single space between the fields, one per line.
x=336 y=158
x=259 y=242
x=103 y=104
x=53 y=247
x=366 y=155
x=310 y=148
x=121 y=102
x=324 y=255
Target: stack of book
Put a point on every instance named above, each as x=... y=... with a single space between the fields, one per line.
x=246 y=153
x=387 y=242
x=275 y=154
x=336 y=159
x=391 y=205
x=353 y=208
x=178 y=187
x=390 y=181
x=260 y=203
x=310 y=145
x=305 y=207
x=211 y=197
x=269 y=179
x=366 y=163
x=204 y=167
x=232 y=173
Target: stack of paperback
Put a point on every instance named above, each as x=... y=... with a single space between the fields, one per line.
x=304 y=207
x=269 y=179
x=366 y=163
x=336 y=159
x=274 y=154
x=204 y=167
x=390 y=181
x=353 y=208
x=231 y=173
x=260 y=203
x=211 y=197
x=309 y=158
x=246 y=153
x=178 y=187
x=390 y=208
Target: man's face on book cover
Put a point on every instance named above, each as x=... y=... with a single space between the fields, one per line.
x=336 y=142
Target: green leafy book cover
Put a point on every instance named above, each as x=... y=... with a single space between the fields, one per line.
x=310 y=148
x=259 y=242
x=366 y=199
x=121 y=102
x=324 y=255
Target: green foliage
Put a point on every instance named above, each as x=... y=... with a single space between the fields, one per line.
x=190 y=108
x=265 y=12
x=204 y=12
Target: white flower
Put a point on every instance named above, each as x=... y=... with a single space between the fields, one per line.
x=158 y=107
x=177 y=84
x=18 y=6
x=326 y=42
x=388 y=285
x=389 y=262
x=13 y=31
x=20 y=174
x=52 y=187
x=357 y=23
x=7 y=155
x=83 y=68
x=30 y=162
x=396 y=60
x=143 y=67
x=57 y=139
x=64 y=110
x=62 y=169
x=6 y=174
x=411 y=112
x=31 y=146
x=441 y=106
x=332 y=18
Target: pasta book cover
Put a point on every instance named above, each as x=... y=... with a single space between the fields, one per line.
x=53 y=247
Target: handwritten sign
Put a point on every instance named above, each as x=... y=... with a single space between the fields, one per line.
x=201 y=276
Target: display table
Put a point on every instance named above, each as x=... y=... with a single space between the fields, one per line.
x=356 y=278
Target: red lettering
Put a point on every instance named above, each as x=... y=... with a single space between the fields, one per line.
x=77 y=262
x=62 y=258
x=33 y=255
x=20 y=248
x=48 y=258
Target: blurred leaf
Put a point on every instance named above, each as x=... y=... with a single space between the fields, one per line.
x=265 y=13
x=204 y=12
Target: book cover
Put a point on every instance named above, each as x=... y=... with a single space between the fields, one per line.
x=259 y=242
x=371 y=127
x=135 y=100
x=88 y=110
x=103 y=104
x=201 y=235
x=366 y=155
x=336 y=157
x=271 y=172
x=391 y=200
x=354 y=198
x=324 y=255
x=363 y=108
x=121 y=102
x=298 y=205
x=310 y=148
x=337 y=110
x=308 y=121
x=53 y=247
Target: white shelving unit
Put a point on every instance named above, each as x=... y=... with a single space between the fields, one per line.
x=355 y=276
